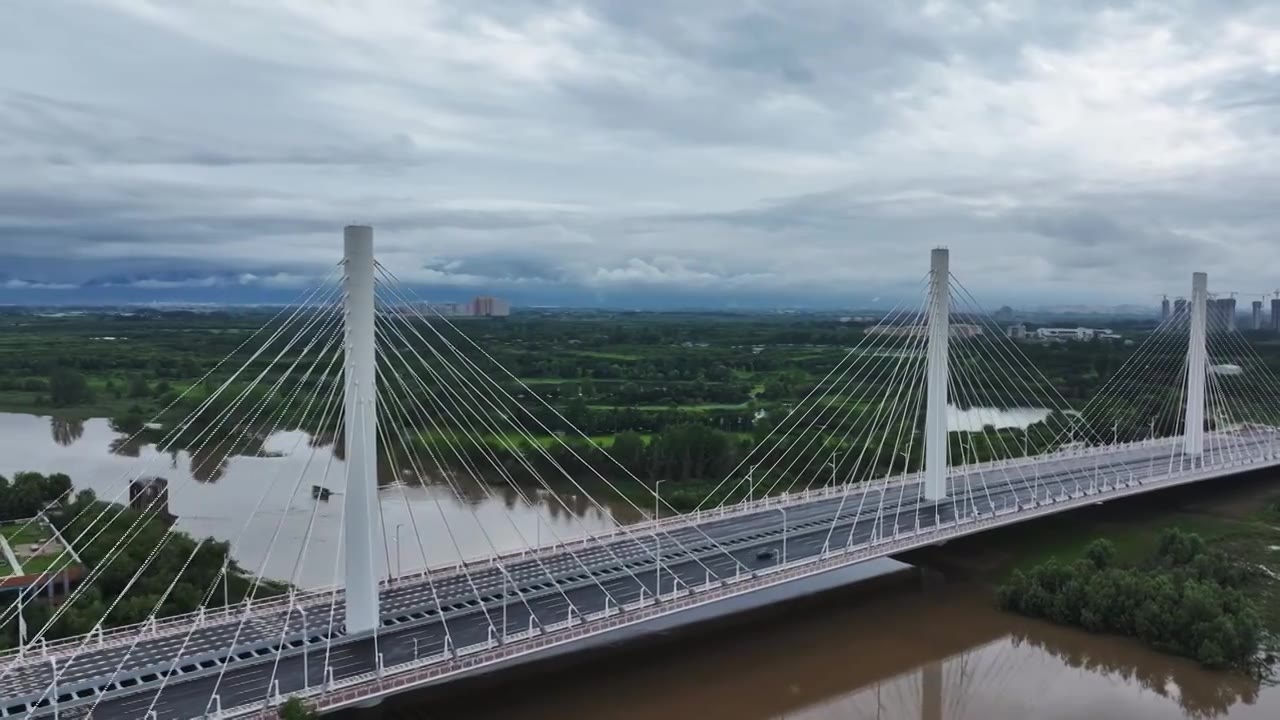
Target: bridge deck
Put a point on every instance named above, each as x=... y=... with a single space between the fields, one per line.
x=419 y=615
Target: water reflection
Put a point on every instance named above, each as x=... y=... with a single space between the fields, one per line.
x=898 y=655
x=974 y=419
x=65 y=430
x=260 y=497
x=1181 y=682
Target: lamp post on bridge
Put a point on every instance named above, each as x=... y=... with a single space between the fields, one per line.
x=306 y=645
x=399 y=562
x=657 y=541
x=782 y=509
x=53 y=666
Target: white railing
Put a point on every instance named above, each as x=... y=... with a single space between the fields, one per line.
x=466 y=658
x=393 y=679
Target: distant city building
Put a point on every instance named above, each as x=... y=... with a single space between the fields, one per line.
x=1180 y=307
x=484 y=306
x=1221 y=314
x=1016 y=332
x=1164 y=309
x=1275 y=315
x=1257 y=314
x=1004 y=314
x=481 y=306
x=958 y=330
x=1076 y=334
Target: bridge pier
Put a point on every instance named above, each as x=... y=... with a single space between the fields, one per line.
x=935 y=419
x=1193 y=434
x=360 y=428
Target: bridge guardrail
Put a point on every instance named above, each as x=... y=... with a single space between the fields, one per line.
x=391 y=679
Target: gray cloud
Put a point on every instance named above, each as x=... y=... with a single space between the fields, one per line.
x=586 y=150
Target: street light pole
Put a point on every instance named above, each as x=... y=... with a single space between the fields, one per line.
x=751 y=484
x=783 y=510
x=306 y=647
x=399 y=562
x=53 y=664
x=657 y=541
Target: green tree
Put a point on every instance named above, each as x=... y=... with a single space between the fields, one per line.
x=295 y=709
x=68 y=387
x=138 y=387
x=1101 y=554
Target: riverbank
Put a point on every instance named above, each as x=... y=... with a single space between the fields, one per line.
x=1240 y=517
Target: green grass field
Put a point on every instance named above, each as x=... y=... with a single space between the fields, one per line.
x=18 y=534
x=45 y=563
x=23 y=401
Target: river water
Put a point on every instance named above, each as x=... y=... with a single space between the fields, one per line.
x=263 y=505
x=902 y=654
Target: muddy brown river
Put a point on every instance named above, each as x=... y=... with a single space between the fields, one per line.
x=893 y=654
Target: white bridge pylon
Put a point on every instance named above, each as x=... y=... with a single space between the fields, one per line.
x=361 y=407
x=938 y=374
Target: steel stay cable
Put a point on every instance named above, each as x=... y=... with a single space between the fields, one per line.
x=496 y=559
x=987 y=361
x=1018 y=357
x=497 y=432
x=179 y=398
x=903 y=359
x=1272 y=388
x=957 y=385
x=48 y=578
x=494 y=461
x=918 y=391
x=257 y=579
x=153 y=553
x=855 y=352
x=911 y=408
x=131 y=532
x=864 y=423
x=398 y=283
x=213 y=585
x=881 y=363
x=222 y=574
x=331 y=403
x=878 y=363
x=1112 y=392
x=538 y=446
x=1226 y=407
x=871 y=372
x=444 y=519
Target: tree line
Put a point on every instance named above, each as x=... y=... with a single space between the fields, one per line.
x=1185 y=599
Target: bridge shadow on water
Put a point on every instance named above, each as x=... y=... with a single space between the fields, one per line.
x=894 y=648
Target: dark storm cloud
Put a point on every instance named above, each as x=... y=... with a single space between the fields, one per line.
x=815 y=148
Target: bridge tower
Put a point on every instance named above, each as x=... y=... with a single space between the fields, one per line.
x=361 y=417
x=1193 y=436
x=935 y=419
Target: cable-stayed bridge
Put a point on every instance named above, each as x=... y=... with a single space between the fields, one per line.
x=900 y=446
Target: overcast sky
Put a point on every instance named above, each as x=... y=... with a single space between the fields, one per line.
x=735 y=152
